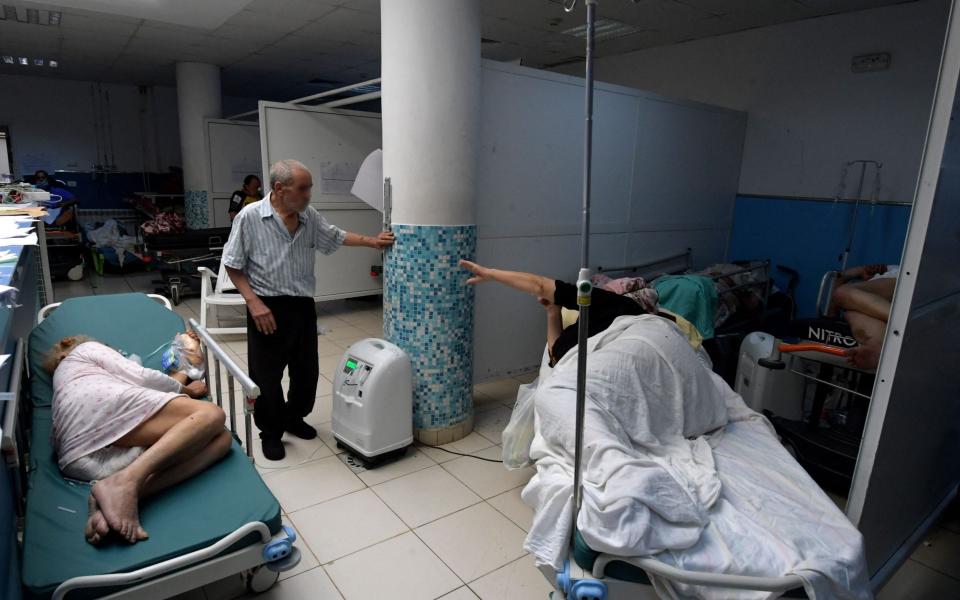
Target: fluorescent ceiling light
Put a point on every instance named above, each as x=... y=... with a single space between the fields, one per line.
x=54 y=64
x=33 y=16
x=9 y=60
x=604 y=29
x=24 y=61
x=38 y=62
x=54 y=18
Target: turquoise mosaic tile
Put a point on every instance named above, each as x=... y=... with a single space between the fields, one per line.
x=195 y=206
x=428 y=311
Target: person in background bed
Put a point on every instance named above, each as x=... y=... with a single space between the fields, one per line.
x=864 y=295
x=133 y=431
x=554 y=294
x=56 y=217
x=248 y=194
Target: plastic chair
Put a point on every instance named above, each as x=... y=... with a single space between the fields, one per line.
x=216 y=295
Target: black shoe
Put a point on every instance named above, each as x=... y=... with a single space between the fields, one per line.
x=300 y=429
x=273 y=449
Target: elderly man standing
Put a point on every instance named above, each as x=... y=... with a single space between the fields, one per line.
x=270 y=258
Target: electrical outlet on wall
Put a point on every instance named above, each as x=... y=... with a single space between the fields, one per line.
x=71 y=183
x=867 y=63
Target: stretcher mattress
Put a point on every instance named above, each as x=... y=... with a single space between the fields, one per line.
x=195 y=514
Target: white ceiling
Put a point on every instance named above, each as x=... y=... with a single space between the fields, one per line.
x=273 y=48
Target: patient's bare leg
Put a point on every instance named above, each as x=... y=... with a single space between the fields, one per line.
x=177 y=434
x=869 y=332
x=871 y=298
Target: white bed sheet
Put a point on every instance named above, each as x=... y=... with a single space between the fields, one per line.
x=728 y=501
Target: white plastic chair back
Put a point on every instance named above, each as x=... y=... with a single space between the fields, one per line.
x=224 y=283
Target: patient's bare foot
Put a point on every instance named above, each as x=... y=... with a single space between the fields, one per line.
x=864 y=357
x=97 y=527
x=118 y=497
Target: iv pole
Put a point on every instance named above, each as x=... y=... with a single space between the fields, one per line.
x=584 y=285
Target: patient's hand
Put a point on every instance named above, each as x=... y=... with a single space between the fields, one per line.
x=196 y=389
x=480 y=274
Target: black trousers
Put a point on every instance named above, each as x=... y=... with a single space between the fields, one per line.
x=292 y=346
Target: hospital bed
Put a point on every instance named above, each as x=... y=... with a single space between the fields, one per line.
x=220 y=523
x=177 y=256
x=761 y=479
x=800 y=378
x=766 y=310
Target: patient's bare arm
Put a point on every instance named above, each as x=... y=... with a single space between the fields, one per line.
x=538 y=285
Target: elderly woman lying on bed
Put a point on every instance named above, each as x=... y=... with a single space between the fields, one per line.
x=133 y=431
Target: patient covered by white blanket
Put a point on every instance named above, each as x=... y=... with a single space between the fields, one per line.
x=677 y=467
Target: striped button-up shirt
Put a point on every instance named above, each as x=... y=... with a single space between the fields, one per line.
x=276 y=262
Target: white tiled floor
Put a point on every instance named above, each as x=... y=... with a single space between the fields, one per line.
x=433 y=524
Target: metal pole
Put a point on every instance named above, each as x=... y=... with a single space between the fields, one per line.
x=584 y=286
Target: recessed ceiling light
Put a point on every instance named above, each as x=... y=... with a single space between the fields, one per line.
x=9 y=60
x=604 y=29
x=38 y=62
x=24 y=61
x=54 y=64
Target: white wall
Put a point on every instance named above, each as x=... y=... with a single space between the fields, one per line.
x=808 y=113
x=52 y=127
x=655 y=193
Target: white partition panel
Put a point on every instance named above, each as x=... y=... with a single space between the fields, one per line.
x=233 y=150
x=909 y=463
x=665 y=179
x=332 y=144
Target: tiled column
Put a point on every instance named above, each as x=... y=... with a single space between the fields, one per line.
x=431 y=108
x=198 y=97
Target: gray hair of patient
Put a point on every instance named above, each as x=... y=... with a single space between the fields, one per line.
x=282 y=171
x=61 y=349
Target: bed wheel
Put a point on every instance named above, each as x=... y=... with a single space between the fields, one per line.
x=261 y=579
x=175 y=294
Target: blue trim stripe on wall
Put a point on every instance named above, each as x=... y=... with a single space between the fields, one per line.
x=810 y=235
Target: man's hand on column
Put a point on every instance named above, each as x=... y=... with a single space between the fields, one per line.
x=384 y=239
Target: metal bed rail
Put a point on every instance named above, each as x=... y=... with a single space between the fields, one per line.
x=186 y=572
x=234 y=373
x=686 y=257
x=739 y=582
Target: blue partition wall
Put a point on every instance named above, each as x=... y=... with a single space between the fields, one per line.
x=810 y=235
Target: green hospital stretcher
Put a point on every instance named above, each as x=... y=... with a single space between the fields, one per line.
x=222 y=522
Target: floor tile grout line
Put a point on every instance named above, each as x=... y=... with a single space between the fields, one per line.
x=412 y=527
x=935 y=569
x=409 y=530
x=508 y=517
x=467 y=583
x=404 y=474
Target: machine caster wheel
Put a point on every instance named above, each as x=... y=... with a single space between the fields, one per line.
x=261 y=579
x=175 y=294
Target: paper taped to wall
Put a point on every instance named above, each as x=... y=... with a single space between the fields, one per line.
x=336 y=178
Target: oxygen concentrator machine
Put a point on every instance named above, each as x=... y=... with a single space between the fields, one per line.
x=373 y=401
